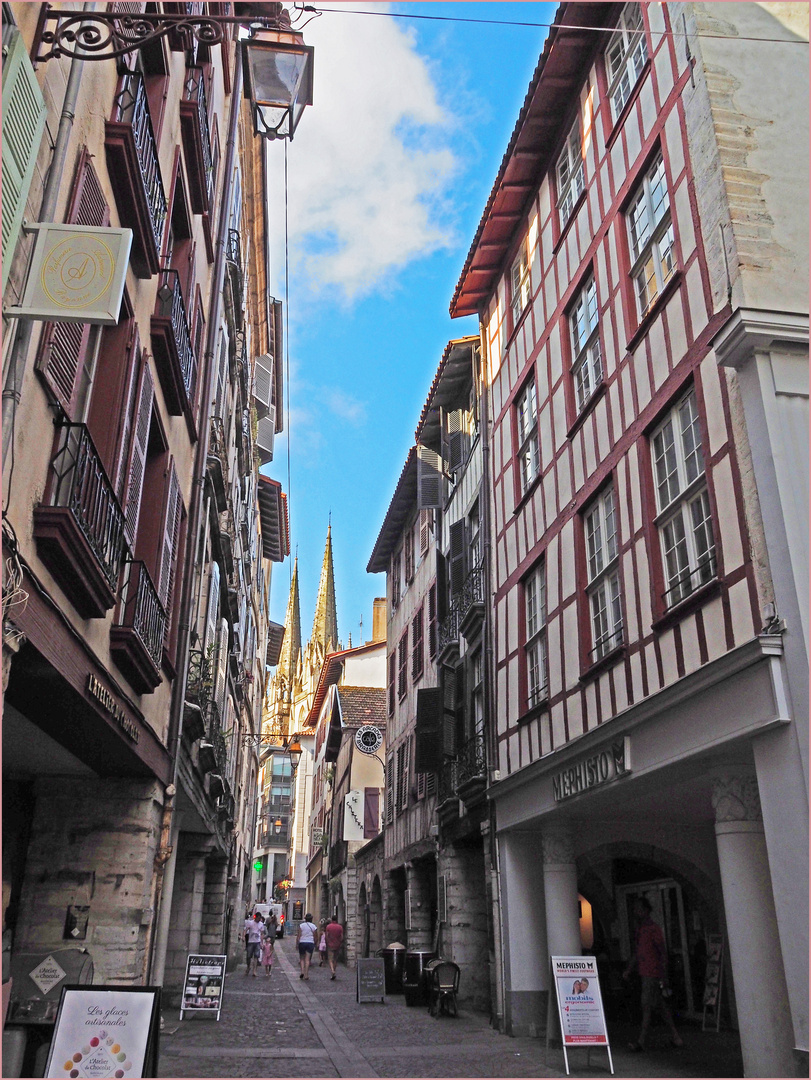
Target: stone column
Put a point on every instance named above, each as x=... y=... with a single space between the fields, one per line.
x=754 y=945
x=560 y=893
x=525 y=955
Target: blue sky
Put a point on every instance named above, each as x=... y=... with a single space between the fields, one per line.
x=388 y=176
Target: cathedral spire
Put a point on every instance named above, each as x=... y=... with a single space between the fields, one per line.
x=291 y=645
x=325 y=623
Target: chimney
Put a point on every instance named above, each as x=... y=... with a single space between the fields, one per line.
x=379 y=619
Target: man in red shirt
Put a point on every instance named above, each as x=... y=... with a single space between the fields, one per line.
x=650 y=959
x=334 y=933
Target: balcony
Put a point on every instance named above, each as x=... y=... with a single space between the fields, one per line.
x=464 y=777
x=471 y=604
x=136 y=638
x=217 y=463
x=269 y=838
x=79 y=528
x=174 y=352
x=234 y=281
x=199 y=685
x=132 y=160
x=227 y=541
x=448 y=645
x=226 y=805
x=194 y=127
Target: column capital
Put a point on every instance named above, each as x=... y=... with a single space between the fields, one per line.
x=736 y=798
x=557 y=846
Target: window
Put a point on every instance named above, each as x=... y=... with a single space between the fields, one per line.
x=390 y=789
x=403 y=763
x=392 y=681
x=408 y=554
x=402 y=670
x=526 y=410
x=432 y=621
x=395 y=580
x=416 y=646
x=603 y=575
x=650 y=231
x=625 y=57
x=476 y=696
x=474 y=537
x=519 y=284
x=684 y=522
x=425 y=530
x=571 y=181
x=587 y=369
x=535 y=648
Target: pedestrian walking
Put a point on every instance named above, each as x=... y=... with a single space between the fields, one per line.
x=271 y=926
x=322 y=943
x=334 y=936
x=305 y=939
x=268 y=947
x=650 y=959
x=254 y=932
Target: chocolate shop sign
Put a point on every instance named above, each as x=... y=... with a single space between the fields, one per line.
x=110 y=705
x=603 y=767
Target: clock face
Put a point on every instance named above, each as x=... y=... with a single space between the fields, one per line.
x=77 y=272
x=368 y=739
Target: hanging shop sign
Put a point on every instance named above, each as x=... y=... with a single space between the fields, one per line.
x=106 y=1031
x=594 y=770
x=202 y=990
x=76 y=274
x=580 y=1004
x=368 y=739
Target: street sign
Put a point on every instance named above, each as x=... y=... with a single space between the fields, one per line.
x=106 y=1031
x=203 y=987
x=371 y=980
x=580 y=1004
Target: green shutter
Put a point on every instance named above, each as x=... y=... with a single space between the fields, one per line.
x=23 y=123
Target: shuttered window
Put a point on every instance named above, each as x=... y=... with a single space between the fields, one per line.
x=429 y=731
x=416 y=646
x=402 y=665
x=371 y=812
x=432 y=621
x=24 y=114
x=450 y=678
x=64 y=346
x=390 y=770
x=458 y=560
x=392 y=680
x=141 y=423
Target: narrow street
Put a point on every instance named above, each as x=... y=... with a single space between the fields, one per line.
x=283 y=1027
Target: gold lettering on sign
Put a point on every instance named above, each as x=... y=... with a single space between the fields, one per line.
x=110 y=705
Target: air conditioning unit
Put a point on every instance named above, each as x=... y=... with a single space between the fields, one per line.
x=263 y=384
x=265 y=435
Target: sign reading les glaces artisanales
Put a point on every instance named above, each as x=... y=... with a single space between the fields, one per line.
x=371 y=980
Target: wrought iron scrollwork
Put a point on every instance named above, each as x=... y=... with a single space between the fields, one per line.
x=92 y=35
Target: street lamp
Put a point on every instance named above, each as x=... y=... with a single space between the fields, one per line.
x=294 y=753
x=278 y=65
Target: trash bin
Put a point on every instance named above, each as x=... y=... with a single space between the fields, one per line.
x=393 y=966
x=414 y=986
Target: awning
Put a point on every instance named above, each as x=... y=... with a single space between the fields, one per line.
x=273 y=518
x=275 y=638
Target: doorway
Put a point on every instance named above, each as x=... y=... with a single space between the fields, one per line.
x=667 y=903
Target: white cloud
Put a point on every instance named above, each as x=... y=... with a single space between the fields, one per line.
x=370 y=164
x=345 y=406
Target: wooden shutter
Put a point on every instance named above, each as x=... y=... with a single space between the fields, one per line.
x=425 y=530
x=416 y=645
x=24 y=113
x=441 y=586
x=171 y=530
x=449 y=681
x=457 y=556
x=432 y=626
x=107 y=418
x=406 y=780
x=408 y=553
x=429 y=728
x=392 y=680
x=119 y=473
x=213 y=609
x=371 y=812
x=429 y=479
x=455 y=422
x=222 y=666
x=138 y=450
x=390 y=789
x=63 y=345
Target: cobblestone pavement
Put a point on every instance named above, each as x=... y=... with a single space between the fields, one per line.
x=285 y=1027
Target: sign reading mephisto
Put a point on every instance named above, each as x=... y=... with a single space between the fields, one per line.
x=603 y=767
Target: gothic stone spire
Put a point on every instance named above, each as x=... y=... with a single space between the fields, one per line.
x=325 y=623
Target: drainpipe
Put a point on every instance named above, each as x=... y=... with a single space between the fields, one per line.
x=489 y=702
x=164 y=889
x=50 y=195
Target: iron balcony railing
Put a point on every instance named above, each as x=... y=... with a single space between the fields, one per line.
x=132 y=107
x=449 y=629
x=200 y=678
x=172 y=306
x=469 y=764
x=472 y=591
x=141 y=610
x=195 y=90
x=80 y=484
x=233 y=255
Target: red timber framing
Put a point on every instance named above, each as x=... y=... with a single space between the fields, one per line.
x=647 y=363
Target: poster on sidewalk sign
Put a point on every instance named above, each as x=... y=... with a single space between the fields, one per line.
x=371 y=980
x=106 y=1031
x=203 y=986
x=580 y=1004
